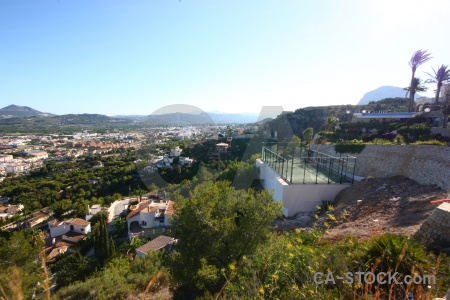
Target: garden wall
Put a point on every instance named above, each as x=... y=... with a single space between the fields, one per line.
x=425 y=164
x=436 y=229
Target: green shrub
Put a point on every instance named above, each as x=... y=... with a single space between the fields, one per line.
x=349 y=148
x=415 y=130
x=430 y=142
x=379 y=141
x=399 y=140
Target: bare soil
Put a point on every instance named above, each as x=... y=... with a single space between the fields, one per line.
x=388 y=205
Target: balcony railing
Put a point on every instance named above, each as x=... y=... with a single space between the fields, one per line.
x=297 y=165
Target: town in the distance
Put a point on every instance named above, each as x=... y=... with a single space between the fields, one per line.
x=192 y=204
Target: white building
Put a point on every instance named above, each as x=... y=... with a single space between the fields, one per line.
x=222 y=147
x=176 y=152
x=15 y=168
x=76 y=225
x=39 y=154
x=6 y=158
x=150 y=214
x=92 y=210
x=185 y=161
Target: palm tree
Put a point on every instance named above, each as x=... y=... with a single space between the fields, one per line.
x=416 y=86
x=441 y=75
x=331 y=122
x=419 y=57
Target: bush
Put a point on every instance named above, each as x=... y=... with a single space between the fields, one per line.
x=430 y=142
x=399 y=140
x=415 y=130
x=379 y=141
x=349 y=148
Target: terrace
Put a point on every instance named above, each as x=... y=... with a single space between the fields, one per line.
x=298 y=166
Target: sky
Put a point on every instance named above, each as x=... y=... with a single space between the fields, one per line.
x=124 y=57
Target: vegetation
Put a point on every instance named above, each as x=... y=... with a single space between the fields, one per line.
x=233 y=222
x=418 y=58
x=441 y=75
x=415 y=86
x=349 y=148
x=66 y=186
x=103 y=242
x=20 y=272
x=121 y=278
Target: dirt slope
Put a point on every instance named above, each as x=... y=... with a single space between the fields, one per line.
x=389 y=205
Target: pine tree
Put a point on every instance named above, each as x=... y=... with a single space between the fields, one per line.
x=103 y=242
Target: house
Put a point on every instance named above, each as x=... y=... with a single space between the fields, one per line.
x=64 y=235
x=92 y=210
x=39 y=154
x=36 y=219
x=221 y=147
x=158 y=243
x=13 y=209
x=15 y=168
x=6 y=158
x=366 y=117
x=185 y=161
x=176 y=152
x=75 y=225
x=150 y=214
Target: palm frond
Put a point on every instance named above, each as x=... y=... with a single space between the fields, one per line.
x=419 y=57
x=442 y=74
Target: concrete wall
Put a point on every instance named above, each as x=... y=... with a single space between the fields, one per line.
x=305 y=197
x=425 y=164
x=64 y=228
x=296 y=197
x=435 y=232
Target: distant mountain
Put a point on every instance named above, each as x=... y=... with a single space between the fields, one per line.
x=12 y=111
x=178 y=119
x=62 y=120
x=263 y=121
x=383 y=93
x=130 y=117
x=225 y=118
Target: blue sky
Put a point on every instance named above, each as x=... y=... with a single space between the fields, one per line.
x=134 y=57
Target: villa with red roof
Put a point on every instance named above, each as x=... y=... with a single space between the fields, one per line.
x=150 y=214
x=64 y=235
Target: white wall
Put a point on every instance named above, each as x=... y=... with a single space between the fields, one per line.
x=305 y=197
x=296 y=197
x=64 y=228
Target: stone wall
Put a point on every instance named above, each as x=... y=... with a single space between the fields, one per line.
x=425 y=164
x=435 y=231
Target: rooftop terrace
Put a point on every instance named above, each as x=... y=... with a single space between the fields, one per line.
x=297 y=165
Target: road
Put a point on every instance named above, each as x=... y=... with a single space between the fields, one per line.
x=117 y=208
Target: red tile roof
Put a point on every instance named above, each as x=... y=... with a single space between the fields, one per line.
x=156 y=244
x=148 y=207
x=80 y=222
x=74 y=236
x=169 y=210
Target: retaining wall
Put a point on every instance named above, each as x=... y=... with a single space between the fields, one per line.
x=425 y=164
x=435 y=231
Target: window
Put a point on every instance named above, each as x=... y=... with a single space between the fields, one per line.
x=71 y=227
x=161 y=221
x=82 y=229
x=144 y=223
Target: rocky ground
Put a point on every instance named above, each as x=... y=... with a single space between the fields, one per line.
x=375 y=206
